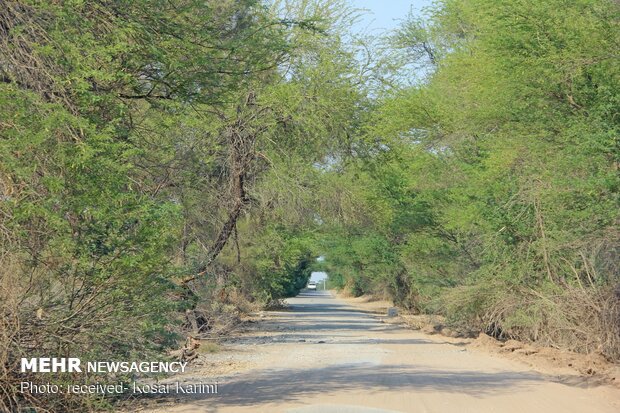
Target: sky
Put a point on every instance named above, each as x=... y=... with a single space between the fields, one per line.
x=318 y=276
x=385 y=14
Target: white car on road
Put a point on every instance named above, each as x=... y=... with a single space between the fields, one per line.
x=311 y=285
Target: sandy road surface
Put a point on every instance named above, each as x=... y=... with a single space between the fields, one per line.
x=321 y=355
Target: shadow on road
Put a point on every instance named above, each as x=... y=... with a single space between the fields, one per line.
x=334 y=349
x=290 y=385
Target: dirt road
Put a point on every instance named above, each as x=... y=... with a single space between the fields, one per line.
x=322 y=355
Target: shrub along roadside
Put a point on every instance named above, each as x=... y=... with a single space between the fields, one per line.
x=142 y=143
x=489 y=193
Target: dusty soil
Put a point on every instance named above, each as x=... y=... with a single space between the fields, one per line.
x=326 y=354
x=565 y=365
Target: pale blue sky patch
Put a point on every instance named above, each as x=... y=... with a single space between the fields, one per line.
x=387 y=14
x=318 y=276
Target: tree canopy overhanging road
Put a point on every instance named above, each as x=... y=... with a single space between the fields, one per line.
x=168 y=167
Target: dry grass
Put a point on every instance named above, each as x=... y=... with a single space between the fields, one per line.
x=9 y=329
x=585 y=321
x=576 y=319
x=209 y=347
x=21 y=333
